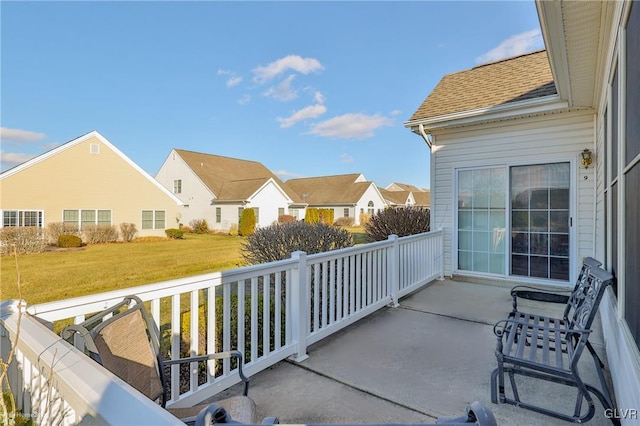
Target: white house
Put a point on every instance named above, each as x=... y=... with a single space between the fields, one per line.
x=535 y=164
x=348 y=195
x=218 y=189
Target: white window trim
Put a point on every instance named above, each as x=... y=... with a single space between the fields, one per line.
x=153 y=220
x=96 y=222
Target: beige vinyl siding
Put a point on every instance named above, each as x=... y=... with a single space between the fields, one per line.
x=544 y=139
x=76 y=179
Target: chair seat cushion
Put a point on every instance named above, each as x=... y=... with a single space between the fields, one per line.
x=242 y=409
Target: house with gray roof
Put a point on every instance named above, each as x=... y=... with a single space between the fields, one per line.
x=218 y=189
x=348 y=195
x=535 y=165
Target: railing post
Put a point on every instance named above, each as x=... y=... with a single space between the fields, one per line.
x=299 y=313
x=441 y=231
x=394 y=269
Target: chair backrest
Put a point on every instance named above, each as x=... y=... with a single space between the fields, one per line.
x=591 y=292
x=577 y=295
x=125 y=343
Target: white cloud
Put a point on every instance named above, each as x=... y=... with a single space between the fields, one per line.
x=224 y=72
x=245 y=99
x=291 y=62
x=513 y=46
x=318 y=97
x=346 y=158
x=396 y=112
x=14 y=158
x=234 y=81
x=284 y=174
x=17 y=135
x=312 y=111
x=347 y=126
x=283 y=91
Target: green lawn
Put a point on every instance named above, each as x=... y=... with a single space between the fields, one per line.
x=56 y=275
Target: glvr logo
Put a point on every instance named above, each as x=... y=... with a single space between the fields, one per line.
x=617 y=413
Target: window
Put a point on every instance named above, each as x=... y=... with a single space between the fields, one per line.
x=256 y=211
x=80 y=218
x=240 y=210
x=631 y=170
x=87 y=217
x=177 y=186
x=280 y=211
x=22 y=218
x=345 y=213
x=295 y=213
x=153 y=219
x=370 y=210
x=218 y=214
x=482 y=220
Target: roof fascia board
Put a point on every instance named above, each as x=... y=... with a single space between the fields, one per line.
x=505 y=111
x=552 y=26
x=81 y=139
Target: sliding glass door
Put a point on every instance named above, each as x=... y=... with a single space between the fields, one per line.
x=540 y=220
x=515 y=220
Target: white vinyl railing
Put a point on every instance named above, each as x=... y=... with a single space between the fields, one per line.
x=283 y=307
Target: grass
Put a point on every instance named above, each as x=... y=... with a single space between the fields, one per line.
x=56 y=275
x=62 y=274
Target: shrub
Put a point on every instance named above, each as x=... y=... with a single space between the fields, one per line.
x=277 y=242
x=345 y=221
x=233 y=230
x=199 y=226
x=66 y=241
x=401 y=221
x=186 y=229
x=364 y=218
x=286 y=218
x=128 y=231
x=315 y=215
x=55 y=229
x=247 y=222
x=95 y=234
x=174 y=233
x=25 y=240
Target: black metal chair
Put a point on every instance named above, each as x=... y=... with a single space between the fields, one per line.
x=550 y=348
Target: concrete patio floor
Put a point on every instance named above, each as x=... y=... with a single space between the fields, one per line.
x=429 y=357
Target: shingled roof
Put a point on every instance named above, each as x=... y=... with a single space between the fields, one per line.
x=330 y=190
x=231 y=178
x=509 y=80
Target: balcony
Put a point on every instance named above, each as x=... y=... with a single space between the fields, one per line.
x=370 y=334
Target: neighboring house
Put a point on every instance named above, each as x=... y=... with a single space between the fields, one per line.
x=86 y=181
x=509 y=184
x=348 y=195
x=218 y=189
x=400 y=194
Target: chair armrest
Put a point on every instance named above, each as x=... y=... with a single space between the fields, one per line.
x=216 y=355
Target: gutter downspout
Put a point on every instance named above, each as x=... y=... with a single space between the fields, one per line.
x=424 y=135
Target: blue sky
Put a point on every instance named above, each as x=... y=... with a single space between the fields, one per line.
x=306 y=88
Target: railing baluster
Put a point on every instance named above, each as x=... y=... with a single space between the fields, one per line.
x=175 y=346
x=194 y=338
x=254 y=319
x=266 y=314
x=211 y=332
x=226 y=325
x=240 y=327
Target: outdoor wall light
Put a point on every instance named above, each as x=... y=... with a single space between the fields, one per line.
x=586 y=158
